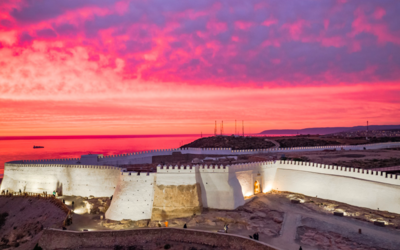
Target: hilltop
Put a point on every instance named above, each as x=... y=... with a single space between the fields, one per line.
x=234 y=142
x=329 y=130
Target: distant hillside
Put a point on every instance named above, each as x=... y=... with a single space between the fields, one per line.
x=324 y=131
x=230 y=142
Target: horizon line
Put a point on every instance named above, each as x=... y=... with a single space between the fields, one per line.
x=22 y=137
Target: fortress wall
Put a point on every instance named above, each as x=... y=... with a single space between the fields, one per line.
x=79 y=180
x=248 y=173
x=176 y=193
x=376 y=176
x=123 y=160
x=176 y=175
x=146 y=156
x=52 y=161
x=246 y=181
x=357 y=192
x=220 y=188
x=268 y=174
x=133 y=197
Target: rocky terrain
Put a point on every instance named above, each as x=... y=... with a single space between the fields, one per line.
x=318 y=235
x=355 y=158
x=327 y=207
x=280 y=222
x=230 y=142
x=22 y=220
x=370 y=163
x=305 y=142
x=255 y=216
x=269 y=214
x=87 y=205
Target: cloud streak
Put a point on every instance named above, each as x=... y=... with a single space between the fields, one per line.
x=76 y=52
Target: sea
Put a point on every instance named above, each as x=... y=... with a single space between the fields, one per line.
x=55 y=147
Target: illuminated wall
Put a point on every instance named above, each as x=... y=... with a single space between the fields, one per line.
x=364 y=188
x=133 y=197
x=185 y=189
x=146 y=156
x=79 y=180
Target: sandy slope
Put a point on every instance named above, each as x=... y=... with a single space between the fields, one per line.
x=26 y=219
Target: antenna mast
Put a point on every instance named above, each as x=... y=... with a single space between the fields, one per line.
x=215 y=129
x=235 y=127
x=243 y=128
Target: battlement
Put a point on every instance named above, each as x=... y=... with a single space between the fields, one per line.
x=10 y=165
x=65 y=160
x=213 y=168
x=364 y=174
x=145 y=156
x=136 y=174
x=176 y=169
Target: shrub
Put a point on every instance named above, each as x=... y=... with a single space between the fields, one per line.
x=37 y=247
x=3 y=217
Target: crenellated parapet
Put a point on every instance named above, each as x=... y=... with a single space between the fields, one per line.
x=364 y=174
x=176 y=169
x=185 y=189
x=48 y=161
x=133 y=196
x=60 y=166
x=146 y=156
x=80 y=180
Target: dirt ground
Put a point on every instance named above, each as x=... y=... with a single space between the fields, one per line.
x=366 y=159
x=24 y=220
x=280 y=223
x=354 y=158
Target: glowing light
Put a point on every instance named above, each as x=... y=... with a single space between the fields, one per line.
x=248 y=194
x=267 y=189
x=80 y=210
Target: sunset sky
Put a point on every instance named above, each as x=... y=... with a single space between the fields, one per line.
x=100 y=67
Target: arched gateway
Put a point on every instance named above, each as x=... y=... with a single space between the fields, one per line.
x=257 y=187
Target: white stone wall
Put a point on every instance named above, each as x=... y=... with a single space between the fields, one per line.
x=364 y=188
x=246 y=181
x=357 y=192
x=176 y=175
x=376 y=176
x=133 y=197
x=99 y=181
x=268 y=173
x=220 y=188
x=146 y=156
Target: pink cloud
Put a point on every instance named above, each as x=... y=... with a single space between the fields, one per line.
x=243 y=25
x=100 y=68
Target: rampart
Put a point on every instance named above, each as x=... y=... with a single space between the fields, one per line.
x=146 y=156
x=147 y=239
x=175 y=191
x=80 y=180
x=133 y=197
x=365 y=188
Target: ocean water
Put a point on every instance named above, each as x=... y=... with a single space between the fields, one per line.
x=21 y=148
